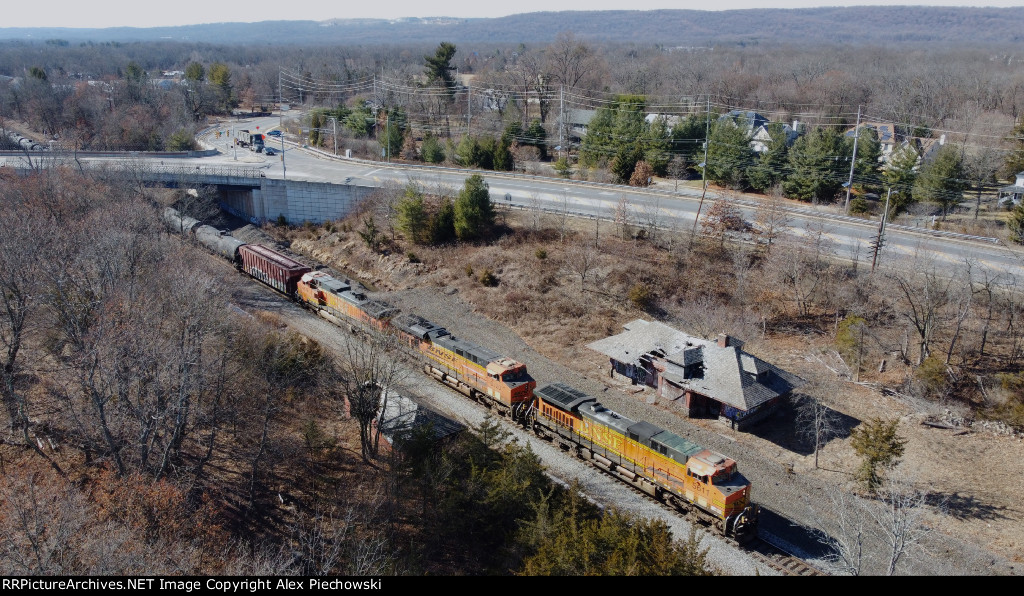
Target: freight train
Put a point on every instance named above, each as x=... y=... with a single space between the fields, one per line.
x=668 y=467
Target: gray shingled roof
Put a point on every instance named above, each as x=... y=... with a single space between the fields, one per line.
x=731 y=375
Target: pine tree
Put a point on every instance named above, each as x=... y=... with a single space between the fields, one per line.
x=881 y=448
x=474 y=213
x=899 y=175
x=942 y=180
x=729 y=154
x=817 y=162
x=771 y=165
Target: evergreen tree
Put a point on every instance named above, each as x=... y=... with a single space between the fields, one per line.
x=770 y=165
x=617 y=134
x=1016 y=224
x=439 y=67
x=474 y=213
x=687 y=137
x=817 y=162
x=432 y=150
x=392 y=133
x=195 y=72
x=729 y=154
x=316 y=121
x=867 y=169
x=881 y=448
x=1015 y=158
x=442 y=224
x=899 y=175
x=942 y=180
x=360 y=121
x=413 y=220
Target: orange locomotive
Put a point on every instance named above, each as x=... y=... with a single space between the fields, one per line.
x=662 y=464
x=337 y=297
x=475 y=371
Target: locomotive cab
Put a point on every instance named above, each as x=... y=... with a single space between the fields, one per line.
x=732 y=501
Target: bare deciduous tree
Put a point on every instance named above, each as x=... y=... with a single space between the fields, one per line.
x=816 y=422
x=370 y=369
x=900 y=517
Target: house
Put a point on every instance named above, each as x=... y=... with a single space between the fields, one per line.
x=1012 y=194
x=763 y=137
x=745 y=119
x=401 y=419
x=671 y=120
x=576 y=122
x=887 y=140
x=703 y=378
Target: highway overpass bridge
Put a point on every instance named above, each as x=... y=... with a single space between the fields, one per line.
x=243 y=191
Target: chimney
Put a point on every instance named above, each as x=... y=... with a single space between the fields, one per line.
x=796 y=125
x=723 y=340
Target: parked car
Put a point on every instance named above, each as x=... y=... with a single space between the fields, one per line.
x=274 y=133
x=270 y=151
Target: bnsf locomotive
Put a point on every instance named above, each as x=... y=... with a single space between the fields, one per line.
x=666 y=466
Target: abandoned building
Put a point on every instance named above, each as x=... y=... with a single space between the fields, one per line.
x=703 y=378
x=402 y=420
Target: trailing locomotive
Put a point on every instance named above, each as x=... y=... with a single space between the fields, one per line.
x=662 y=464
x=666 y=466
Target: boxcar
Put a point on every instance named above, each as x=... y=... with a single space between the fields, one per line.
x=272 y=268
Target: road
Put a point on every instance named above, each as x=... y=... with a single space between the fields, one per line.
x=850 y=237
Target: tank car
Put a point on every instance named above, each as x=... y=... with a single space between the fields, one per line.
x=662 y=464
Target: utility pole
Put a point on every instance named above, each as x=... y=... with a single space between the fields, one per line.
x=703 y=168
x=280 y=124
x=561 y=119
x=853 y=162
x=876 y=244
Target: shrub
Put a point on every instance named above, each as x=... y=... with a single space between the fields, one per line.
x=932 y=376
x=469 y=270
x=488 y=278
x=641 y=296
x=541 y=254
x=412 y=257
x=859 y=206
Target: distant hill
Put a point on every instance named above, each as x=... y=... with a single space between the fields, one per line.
x=854 y=25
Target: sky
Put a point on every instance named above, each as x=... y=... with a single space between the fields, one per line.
x=133 y=13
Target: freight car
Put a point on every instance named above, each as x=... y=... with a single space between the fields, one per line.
x=272 y=268
x=664 y=465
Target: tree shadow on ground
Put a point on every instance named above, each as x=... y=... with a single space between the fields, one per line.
x=782 y=429
x=966 y=507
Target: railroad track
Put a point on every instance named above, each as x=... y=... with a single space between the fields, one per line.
x=761 y=549
x=780 y=560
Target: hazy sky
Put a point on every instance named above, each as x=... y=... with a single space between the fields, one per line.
x=135 y=13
